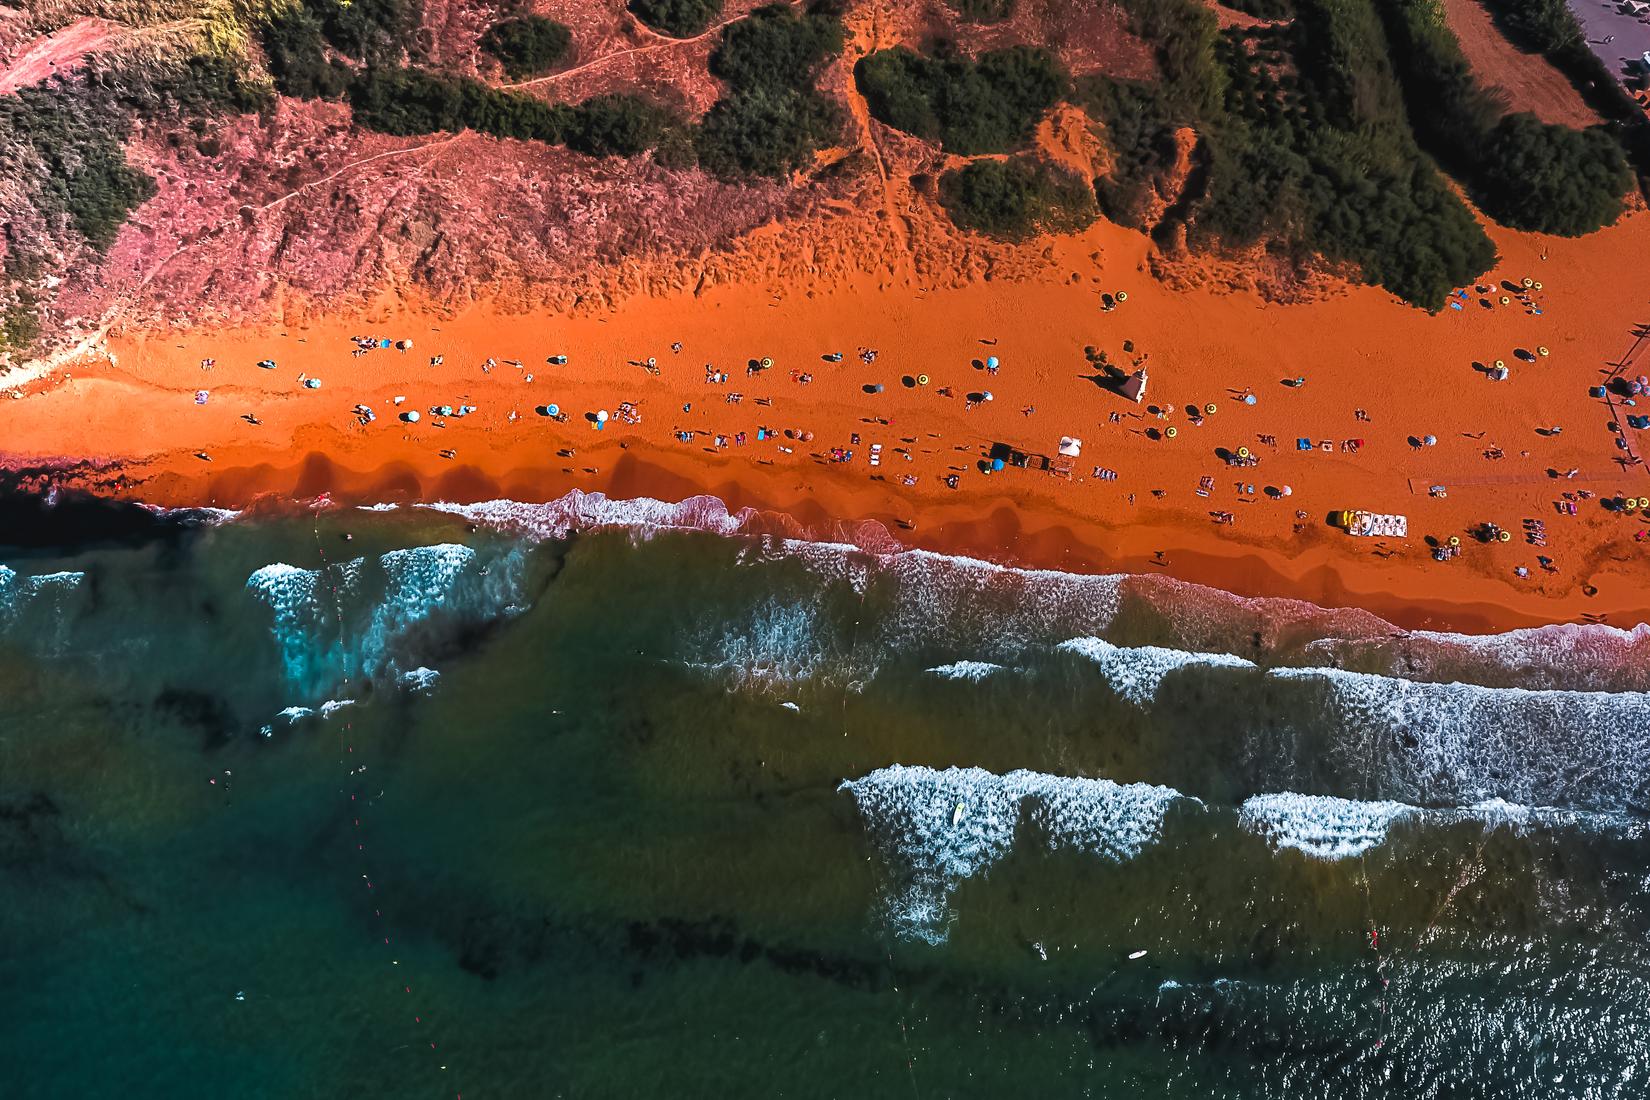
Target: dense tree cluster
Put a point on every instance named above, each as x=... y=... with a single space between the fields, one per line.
x=1016 y=198
x=306 y=42
x=772 y=119
x=412 y=101
x=528 y=46
x=1304 y=143
x=677 y=18
x=989 y=105
x=1521 y=171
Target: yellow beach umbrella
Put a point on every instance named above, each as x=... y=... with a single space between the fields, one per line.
x=1542 y=351
x=1122 y=295
x=1243 y=452
x=1209 y=408
x=922 y=380
x=1455 y=540
x=1171 y=432
x=1528 y=282
x=1505 y=536
x=766 y=362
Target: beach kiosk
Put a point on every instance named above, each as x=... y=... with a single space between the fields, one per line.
x=1134 y=386
x=1371 y=524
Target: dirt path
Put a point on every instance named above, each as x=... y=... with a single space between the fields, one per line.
x=58 y=51
x=663 y=43
x=893 y=208
x=1530 y=81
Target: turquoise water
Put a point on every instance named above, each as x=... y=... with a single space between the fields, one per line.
x=633 y=811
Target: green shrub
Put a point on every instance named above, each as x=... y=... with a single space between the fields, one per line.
x=1016 y=198
x=1544 y=25
x=1552 y=179
x=295 y=47
x=772 y=120
x=677 y=18
x=64 y=144
x=985 y=106
x=765 y=131
x=776 y=48
x=1139 y=129
x=615 y=126
x=528 y=46
x=409 y=102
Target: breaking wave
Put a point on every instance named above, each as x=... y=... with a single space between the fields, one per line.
x=938 y=828
x=368 y=619
x=1137 y=672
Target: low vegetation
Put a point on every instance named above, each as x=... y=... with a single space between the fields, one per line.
x=989 y=105
x=528 y=46
x=983 y=11
x=772 y=119
x=677 y=18
x=306 y=41
x=1016 y=198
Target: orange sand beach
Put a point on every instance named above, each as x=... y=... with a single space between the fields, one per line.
x=128 y=420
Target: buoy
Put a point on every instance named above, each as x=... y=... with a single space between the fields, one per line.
x=1209 y=408
x=1171 y=432
x=992 y=362
x=1243 y=452
x=1122 y=295
x=766 y=362
x=1542 y=351
x=1455 y=540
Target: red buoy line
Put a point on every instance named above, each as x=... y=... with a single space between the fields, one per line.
x=346 y=751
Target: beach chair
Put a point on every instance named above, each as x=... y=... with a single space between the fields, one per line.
x=1303 y=444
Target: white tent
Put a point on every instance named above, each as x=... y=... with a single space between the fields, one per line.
x=1071 y=446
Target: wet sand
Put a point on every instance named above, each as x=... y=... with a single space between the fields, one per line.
x=1413 y=374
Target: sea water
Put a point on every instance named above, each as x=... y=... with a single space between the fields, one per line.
x=614 y=799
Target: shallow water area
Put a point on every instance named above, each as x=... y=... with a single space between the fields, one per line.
x=614 y=798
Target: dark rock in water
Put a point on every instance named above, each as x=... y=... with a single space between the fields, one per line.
x=61 y=520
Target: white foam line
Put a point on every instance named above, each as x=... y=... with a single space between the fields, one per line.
x=1137 y=672
x=973 y=671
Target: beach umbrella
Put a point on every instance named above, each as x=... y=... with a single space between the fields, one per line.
x=1505 y=536
x=1209 y=408
x=601 y=417
x=1542 y=351
x=996 y=464
x=1500 y=364
x=553 y=410
x=766 y=362
x=1122 y=295
x=1528 y=282
x=922 y=380
x=992 y=362
x=1243 y=452
x=410 y=416
x=1431 y=441
x=987 y=396
x=1538 y=285
x=1455 y=540
x=1171 y=432
x=1287 y=491
x=1248 y=399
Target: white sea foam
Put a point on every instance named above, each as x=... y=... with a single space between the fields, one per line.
x=419 y=679
x=38 y=607
x=1458 y=744
x=1321 y=826
x=938 y=828
x=579 y=511
x=326 y=635
x=776 y=644
x=973 y=671
x=1137 y=672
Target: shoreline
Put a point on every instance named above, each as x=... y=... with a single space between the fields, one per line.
x=189 y=418
x=1007 y=536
